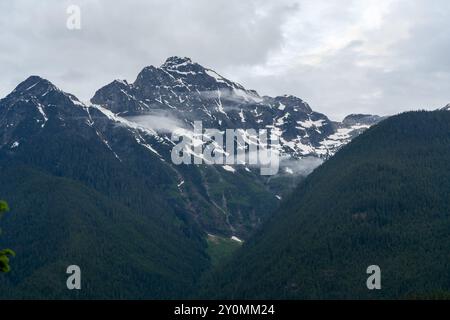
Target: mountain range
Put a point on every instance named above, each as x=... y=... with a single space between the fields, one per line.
x=92 y=183
x=135 y=120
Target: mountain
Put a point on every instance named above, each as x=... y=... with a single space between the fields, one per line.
x=93 y=184
x=188 y=92
x=86 y=189
x=180 y=92
x=37 y=109
x=84 y=185
x=381 y=200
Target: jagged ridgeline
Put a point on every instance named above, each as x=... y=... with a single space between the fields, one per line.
x=92 y=184
x=190 y=92
x=381 y=200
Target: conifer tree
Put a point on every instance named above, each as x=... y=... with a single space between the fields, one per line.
x=5 y=253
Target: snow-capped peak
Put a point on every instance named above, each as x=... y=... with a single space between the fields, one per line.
x=183 y=89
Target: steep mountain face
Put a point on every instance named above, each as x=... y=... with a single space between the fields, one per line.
x=381 y=200
x=190 y=92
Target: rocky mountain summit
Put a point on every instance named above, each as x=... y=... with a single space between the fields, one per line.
x=188 y=92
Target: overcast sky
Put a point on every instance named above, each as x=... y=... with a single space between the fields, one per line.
x=341 y=56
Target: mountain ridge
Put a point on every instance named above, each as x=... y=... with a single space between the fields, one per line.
x=191 y=92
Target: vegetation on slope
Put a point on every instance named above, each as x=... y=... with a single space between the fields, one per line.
x=58 y=222
x=382 y=200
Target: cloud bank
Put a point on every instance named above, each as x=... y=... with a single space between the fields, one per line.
x=347 y=56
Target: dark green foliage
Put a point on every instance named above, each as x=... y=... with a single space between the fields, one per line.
x=5 y=254
x=383 y=199
x=3 y=207
x=122 y=253
x=4 y=259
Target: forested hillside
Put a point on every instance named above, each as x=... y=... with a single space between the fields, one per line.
x=381 y=200
x=56 y=222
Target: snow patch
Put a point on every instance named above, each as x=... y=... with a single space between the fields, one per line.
x=310 y=124
x=241 y=114
x=229 y=168
x=15 y=145
x=234 y=238
x=41 y=111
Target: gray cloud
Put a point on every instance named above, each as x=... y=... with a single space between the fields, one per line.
x=375 y=56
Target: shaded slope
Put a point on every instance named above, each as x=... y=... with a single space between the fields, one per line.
x=56 y=222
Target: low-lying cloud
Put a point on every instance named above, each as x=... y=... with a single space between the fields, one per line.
x=160 y=121
x=301 y=167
